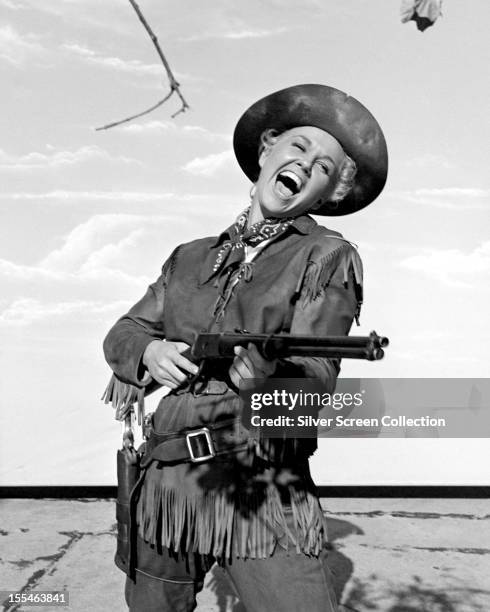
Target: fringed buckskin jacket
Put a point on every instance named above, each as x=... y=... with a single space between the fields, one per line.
x=308 y=280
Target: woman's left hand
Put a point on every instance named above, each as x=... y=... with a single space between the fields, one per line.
x=249 y=364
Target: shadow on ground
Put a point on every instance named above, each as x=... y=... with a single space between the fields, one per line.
x=340 y=566
x=363 y=596
x=226 y=599
x=414 y=597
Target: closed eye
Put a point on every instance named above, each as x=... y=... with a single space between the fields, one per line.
x=299 y=146
x=324 y=168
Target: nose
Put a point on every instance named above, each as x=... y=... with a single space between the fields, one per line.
x=305 y=165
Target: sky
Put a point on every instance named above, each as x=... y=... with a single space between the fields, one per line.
x=88 y=217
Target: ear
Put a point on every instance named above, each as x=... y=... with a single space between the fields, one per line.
x=268 y=139
x=264 y=155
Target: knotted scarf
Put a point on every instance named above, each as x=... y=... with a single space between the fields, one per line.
x=233 y=250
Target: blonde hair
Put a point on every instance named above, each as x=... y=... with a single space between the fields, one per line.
x=345 y=180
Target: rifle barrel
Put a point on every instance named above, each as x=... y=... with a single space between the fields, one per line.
x=216 y=345
x=333 y=352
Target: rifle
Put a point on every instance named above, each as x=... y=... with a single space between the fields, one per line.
x=209 y=345
x=272 y=346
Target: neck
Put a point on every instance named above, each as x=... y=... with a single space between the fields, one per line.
x=255 y=214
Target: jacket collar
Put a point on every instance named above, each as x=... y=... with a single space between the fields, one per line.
x=303 y=224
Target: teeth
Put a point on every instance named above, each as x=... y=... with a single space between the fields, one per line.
x=293 y=177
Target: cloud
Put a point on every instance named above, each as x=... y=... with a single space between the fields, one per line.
x=209 y=165
x=25 y=311
x=9 y=269
x=101 y=249
x=105 y=250
x=453 y=267
x=179 y=205
x=36 y=275
x=453 y=198
x=14 y=6
x=110 y=255
x=100 y=261
x=50 y=5
x=101 y=267
x=114 y=63
x=57 y=159
x=72 y=12
x=17 y=48
x=133 y=67
x=108 y=196
x=151 y=127
x=105 y=258
x=87 y=239
x=239 y=34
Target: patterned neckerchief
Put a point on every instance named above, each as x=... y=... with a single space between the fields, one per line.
x=240 y=236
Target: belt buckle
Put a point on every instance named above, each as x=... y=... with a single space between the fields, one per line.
x=198 y=434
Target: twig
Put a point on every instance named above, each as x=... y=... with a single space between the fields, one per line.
x=145 y=112
x=174 y=85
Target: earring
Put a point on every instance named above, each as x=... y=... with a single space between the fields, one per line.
x=253 y=189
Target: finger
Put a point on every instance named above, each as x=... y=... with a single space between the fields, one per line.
x=181 y=346
x=266 y=366
x=172 y=372
x=185 y=364
x=164 y=380
x=242 y=384
x=254 y=351
x=261 y=362
x=234 y=376
x=242 y=368
x=239 y=350
x=242 y=356
x=257 y=366
x=170 y=384
x=237 y=378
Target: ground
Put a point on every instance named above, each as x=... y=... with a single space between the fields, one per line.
x=391 y=555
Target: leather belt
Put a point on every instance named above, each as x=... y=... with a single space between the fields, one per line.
x=197 y=445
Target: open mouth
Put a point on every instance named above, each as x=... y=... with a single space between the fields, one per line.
x=288 y=183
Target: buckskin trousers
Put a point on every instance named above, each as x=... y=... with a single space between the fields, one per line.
x=286 y=581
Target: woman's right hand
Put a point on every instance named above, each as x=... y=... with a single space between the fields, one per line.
x=166 y=364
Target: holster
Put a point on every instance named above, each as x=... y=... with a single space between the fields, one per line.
x=130 y=476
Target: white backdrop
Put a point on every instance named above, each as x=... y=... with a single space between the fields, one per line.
x=87 y=218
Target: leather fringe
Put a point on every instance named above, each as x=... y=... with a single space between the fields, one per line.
x=123 y=396
x=168 y=267
x=246 y=525
x=319 y=274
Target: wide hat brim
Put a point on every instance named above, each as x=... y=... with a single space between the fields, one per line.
x=329 y=109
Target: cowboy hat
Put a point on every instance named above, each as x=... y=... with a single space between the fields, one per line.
x=331 y=110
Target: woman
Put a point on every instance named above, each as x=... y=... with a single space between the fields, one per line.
x=252 y=506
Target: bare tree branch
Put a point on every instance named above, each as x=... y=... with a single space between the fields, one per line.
x=174 y=85
x=145 y=112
